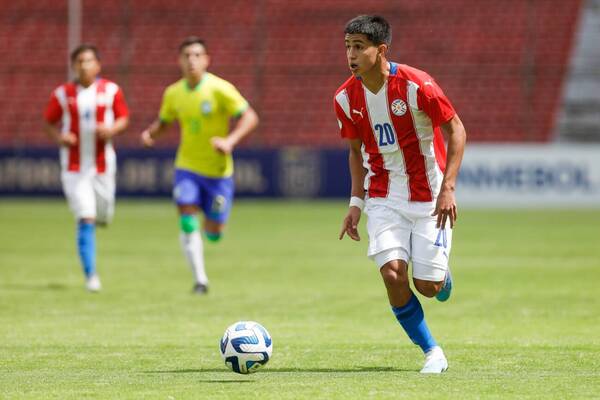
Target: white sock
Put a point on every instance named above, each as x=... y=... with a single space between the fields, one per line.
x=191 y=243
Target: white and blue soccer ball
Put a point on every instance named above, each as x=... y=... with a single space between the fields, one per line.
x=246 y=346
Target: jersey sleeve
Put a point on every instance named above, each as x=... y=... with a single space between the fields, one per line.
x=233 y=102
x=120 y=108
x=167 y=112
x=434 y=102
x=347 y=128
x=53 y=111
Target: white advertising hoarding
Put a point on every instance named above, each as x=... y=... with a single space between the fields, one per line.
x=530 y=175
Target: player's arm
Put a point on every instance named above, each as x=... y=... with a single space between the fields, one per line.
x=357 y=174
x=61 y=139
x=247 y=122
x=106 y=132
x=157 y=128
x=121 y=113
x=357 y=171
x=446 y=203
x=166 y=115
x=52 y=115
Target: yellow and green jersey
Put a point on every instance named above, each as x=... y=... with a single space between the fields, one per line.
x=202 y=112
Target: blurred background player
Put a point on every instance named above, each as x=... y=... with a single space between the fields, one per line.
x=391 y=114
x=91 y=111
x=203 y=104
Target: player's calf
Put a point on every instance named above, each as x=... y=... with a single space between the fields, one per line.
x=428 y=288
x=213 y=230
x=191 y=244
x=213 y=236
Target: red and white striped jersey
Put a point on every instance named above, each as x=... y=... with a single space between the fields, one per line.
x=80 y=109
x=402 y=144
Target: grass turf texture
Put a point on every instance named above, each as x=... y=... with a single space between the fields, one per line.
x=523 y=320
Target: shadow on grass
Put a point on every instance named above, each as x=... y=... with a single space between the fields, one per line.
x=267 y=370
x=24 y=287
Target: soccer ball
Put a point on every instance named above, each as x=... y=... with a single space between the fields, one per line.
x=246 y=346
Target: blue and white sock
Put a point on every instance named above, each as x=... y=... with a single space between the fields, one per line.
x=86 y=244
x=412 y=319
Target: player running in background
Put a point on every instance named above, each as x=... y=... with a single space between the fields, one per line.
x=91 y=111
x=203 y=104
x=391 y=115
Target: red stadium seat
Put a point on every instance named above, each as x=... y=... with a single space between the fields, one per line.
x=502 y=63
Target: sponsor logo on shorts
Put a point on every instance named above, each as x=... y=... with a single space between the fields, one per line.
x=219 y=204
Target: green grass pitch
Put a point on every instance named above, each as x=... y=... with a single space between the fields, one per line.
x=523 y=322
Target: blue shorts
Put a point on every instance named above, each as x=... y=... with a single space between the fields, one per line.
x=213 y=195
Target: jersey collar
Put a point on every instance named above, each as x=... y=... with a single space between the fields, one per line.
x=197 y=87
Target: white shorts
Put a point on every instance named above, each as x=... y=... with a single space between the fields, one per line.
x=90 y=195
x=397 y=235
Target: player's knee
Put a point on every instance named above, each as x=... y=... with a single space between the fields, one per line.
x=428 y=288
x=393 y=277
x=213 y=236
x=213 y=230
x=188 y=223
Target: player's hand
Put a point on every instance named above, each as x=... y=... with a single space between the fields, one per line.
x=67 y=139
x=222 y=144
x=350 y=224
x=104 y=132
x=445 y=209
x=146 y=139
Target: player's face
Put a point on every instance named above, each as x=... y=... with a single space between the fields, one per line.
x=193 y=60
x=86 y=67
x=361 y=53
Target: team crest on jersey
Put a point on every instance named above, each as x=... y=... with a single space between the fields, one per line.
x=398 y=107
x=206 y=107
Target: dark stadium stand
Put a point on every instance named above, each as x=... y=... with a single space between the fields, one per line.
x=502 y=63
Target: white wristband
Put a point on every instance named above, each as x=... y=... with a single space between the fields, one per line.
x=357 y=202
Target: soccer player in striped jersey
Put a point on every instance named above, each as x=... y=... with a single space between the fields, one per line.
x=90 y=112
x=393 y=116
x=203 y=104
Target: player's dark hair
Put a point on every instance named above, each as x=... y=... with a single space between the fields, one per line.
x=190 y=40
x=374 y=27
x=84 y=47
